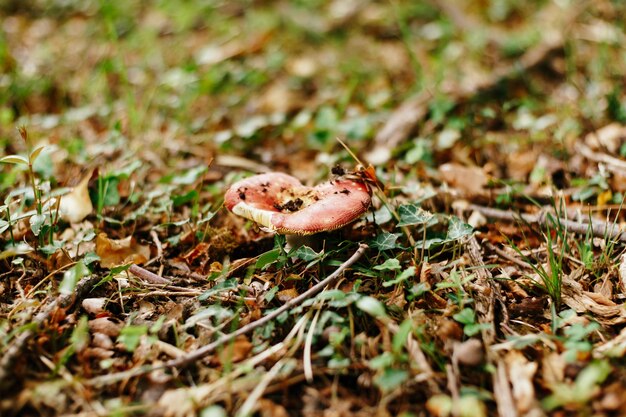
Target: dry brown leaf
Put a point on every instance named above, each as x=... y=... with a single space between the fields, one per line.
x=582 y=301
x=468 y=180
x=609 y=137
x=520 y=164
x=552 y=368
x=469 y=353
x=105 y=325
x=268 y=408
x=236 y=352
x=287 y=295
x=521 y=372
x=115 y=252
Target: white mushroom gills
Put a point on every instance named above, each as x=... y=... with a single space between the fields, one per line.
x=261 y=217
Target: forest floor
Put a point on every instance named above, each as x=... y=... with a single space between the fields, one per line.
x=488 y=278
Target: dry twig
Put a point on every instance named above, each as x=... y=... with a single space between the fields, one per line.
x=598 y=228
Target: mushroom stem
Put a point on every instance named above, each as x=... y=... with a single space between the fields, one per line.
x=295 y=241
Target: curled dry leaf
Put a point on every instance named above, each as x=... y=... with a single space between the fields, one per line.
x=76 y=205
x=115 y=252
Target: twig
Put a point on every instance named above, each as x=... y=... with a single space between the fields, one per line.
x=200 y=353
x=147 y=275
x=598 y=228
x=612 y=163
x=16 y=348
x=507 y=256
x=485 y=301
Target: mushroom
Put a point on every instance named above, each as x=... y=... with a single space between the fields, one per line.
x=280 y=203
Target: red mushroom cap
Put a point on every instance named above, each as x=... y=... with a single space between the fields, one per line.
x=282 y=204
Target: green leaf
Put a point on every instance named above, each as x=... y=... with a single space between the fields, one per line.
x=179 y=200
x=390 y=264
x=382 y=361
x=305 y=253
x=458 y=229
x=402 y=335
x=411 y=214
x=465 y=316
x=191 y=176
x=371 y=306
x=80 y=335
x=269 y=296
x=473 y=329
x=72 y=276
x=268 y=258
x=406 y=274
x=595 y=373
x=4 y=225
x=391 y=379
x=130 y=336
x=90 y=257
x=385 y=241
x=14 y=159
x=227 y=285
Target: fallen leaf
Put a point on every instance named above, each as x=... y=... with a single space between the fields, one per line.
x=287 y=295
x=609 y=137
x=468 y=180
x=521 y=372
x=76 y=205
x=105 y=325
x=115 y=252
x=236 y=352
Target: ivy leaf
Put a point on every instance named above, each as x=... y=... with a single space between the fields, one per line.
x=306 y=254
x=36 y=223
x=465 y=316
x=458 y=229
x=371 y=306
x=390 y=264
x=267 y=258
x=385 y=241
x=402 y=335
x=406 y=274
x=391 y=379
x=411 y=214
